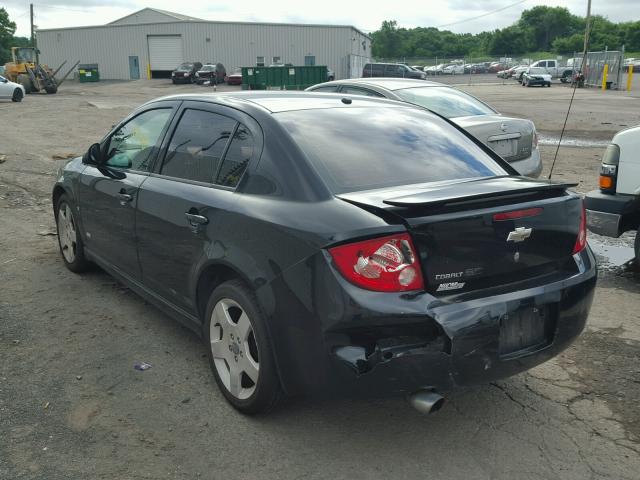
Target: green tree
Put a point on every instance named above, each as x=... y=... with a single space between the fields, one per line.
x=549 y=23
x=574 y=43
x=510 y=40
x=7 y=29
x=630 y=32
x=386 y=41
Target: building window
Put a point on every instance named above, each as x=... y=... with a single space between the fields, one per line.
x=260 y=62
x=310 y=60
x=275 y=60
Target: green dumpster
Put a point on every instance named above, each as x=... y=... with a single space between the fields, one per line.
x=282 y=77
x=88 y=72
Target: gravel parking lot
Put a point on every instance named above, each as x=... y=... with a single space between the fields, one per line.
x=73 y=407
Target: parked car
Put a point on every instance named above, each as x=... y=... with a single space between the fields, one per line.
x=634 y=63
x=316 y=250
x=235 y=78
x=11 y=90
x=211 y=72
x=496 y=67
x=518 y=72
x=536 y=76
x=454 y=69
x=615 y=207
x=330 y=75
x=477 y=68
x=397 y=70
x=514 y=139
x=440 y=68
x=186 y=72
x=431 y=70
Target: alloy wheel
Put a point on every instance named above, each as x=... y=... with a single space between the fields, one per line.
x=67 y=233
x=234 y=348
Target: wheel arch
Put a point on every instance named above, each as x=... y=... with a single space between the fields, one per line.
x=58 y=191
x=212 y=275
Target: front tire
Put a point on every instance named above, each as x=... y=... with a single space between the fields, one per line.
x=17 y=95
x=69 y=238
x=239 y=350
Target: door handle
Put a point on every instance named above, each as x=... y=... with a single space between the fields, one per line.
x=195 y=219
x=124 y=198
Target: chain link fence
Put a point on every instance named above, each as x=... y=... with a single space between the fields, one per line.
x=594 y=66
x=486 y=70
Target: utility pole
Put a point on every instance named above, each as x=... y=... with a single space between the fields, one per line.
x=587 y=31
x=34 y=43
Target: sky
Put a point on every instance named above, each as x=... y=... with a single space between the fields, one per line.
x=456 y=15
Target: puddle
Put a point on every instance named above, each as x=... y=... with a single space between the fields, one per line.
x=571 y=142
x=612 y=252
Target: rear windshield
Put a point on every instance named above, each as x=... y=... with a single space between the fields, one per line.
x=365 y=148
x=445 y=101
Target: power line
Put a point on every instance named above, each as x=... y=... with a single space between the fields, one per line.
x=56 y=7
x=480 y=16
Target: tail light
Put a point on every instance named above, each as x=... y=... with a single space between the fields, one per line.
x=384 y=264
x=609 y=169
x=581 y=241
x=535 y=139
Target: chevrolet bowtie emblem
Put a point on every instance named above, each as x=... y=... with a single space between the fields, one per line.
x=520 y=234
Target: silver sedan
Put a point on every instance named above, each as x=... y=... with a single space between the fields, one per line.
x=514 y=139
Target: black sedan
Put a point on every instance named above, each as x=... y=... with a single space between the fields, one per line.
x=330 y=244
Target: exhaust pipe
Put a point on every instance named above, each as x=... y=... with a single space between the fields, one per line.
x=426 y=401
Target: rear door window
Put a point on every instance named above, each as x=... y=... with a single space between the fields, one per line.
x=327 y=89
x=359 y=91
x=197 y=146
x=393 y=71
x=366 y=148
x=240 y=152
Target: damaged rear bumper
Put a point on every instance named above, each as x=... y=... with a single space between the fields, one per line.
x=365 y=343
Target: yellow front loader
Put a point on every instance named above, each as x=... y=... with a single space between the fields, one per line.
x=32 y=75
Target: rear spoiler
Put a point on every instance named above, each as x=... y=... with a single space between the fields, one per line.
x=458 y=193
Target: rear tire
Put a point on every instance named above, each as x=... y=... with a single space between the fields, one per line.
x=239 y=350
x=69 y=238
x=17 y=95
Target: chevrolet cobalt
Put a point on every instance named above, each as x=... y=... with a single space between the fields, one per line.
x=330 y=244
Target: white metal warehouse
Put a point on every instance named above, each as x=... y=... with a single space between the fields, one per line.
x=153 y=42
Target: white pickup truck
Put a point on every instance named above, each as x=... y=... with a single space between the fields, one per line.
x=551 y=66
x=615 y=207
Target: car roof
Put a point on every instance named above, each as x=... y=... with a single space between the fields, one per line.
x=389 y=83
x=276 y=102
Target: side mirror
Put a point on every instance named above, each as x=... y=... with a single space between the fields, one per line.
x=93 y=156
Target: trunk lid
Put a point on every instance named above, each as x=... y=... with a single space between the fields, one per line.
x=463 y=246
x=511 y=138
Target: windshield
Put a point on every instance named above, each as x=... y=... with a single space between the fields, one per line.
x=185 y=67
x=365 y=148
x=445 y=101
x=209 y=68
